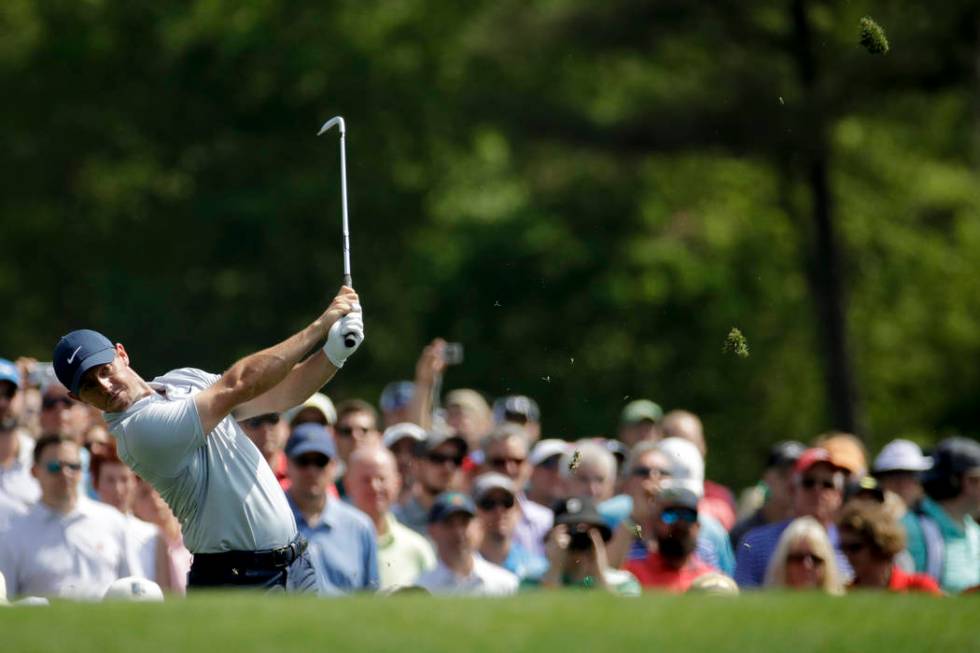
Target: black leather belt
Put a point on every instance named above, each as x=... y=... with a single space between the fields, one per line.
x=272 y=559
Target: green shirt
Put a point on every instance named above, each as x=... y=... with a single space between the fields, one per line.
x=621 y=583
x=961 y=546
x=403 y=554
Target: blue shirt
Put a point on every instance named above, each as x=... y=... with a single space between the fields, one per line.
x=713 y=545
x=524 y=564
x=343 y=546
x=758 y=545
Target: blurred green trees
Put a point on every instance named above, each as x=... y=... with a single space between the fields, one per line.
x=588 y=195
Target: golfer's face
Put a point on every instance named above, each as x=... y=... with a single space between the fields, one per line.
x=107 y=387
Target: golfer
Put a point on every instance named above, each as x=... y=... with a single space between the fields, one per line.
x=180 y=433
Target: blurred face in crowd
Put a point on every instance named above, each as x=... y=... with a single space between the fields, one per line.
x=116 y=486
x=643 y=480
x=871 y=567
x=356 y=429
x=7 y=393
x=404 y=452
x=779 y=480
x=57 y=472
x=439 y=468
x=818 y=492
x=971 y=490
x=642 y=431
x=509 y=457
x=498 y=514
x=591 y=479
x=267 y=432
x=310 y=475
x=96 y=439
x=805 y=569
x=456 y=537
x=61 y=414
x=467 y=422
x=372 y=481
x=907 y=485
x=685 y=425
x=546 y=486
x=676 y=530
x=309 y=415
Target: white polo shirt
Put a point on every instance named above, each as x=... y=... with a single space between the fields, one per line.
x=9 y=508
x=75 y=556
x=486 y=579
x=217 y=484
x=16 y=481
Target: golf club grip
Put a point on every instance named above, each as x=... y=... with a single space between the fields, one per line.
x=349 y=341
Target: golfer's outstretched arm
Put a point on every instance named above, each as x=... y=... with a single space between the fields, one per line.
x=256 y=375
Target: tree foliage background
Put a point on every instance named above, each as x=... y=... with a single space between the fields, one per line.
x=587 y=195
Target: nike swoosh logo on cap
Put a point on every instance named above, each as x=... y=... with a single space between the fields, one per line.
x=73 y=354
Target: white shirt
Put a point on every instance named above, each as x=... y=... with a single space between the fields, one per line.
x=217 y=484
x=76 y=556
x=486 y=579
x=143 y=539
x=9 y=508
x=16 y=481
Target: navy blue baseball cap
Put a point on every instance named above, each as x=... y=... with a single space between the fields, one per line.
x=310 y=437
x=450 y=503
x=77 y=353
x=9 y=372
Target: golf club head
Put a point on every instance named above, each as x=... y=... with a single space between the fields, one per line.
x=336 y=120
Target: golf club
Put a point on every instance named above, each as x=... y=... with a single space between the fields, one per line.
x=345 y=231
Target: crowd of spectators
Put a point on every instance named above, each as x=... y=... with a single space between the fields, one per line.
x=460 y=495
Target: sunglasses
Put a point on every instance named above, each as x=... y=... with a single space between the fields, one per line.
x=316 y=460
x=256 y=422
x=54 y=402
x=489 y=504
x=808 y=483
x=442 y=459
x=501 y=463
x=800 y=558
x=671 y=516
x=56 y=466
x=647 y=472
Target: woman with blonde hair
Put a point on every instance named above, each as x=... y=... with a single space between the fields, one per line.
x=804 y=559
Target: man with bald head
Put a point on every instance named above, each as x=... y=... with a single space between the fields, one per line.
x=373 y=486
x=718 y=501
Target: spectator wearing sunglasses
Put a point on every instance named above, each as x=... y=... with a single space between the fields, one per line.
x=267 y=432
x=804 y=559
x=17 y=485
x=576 y=552
x=505 y=451
x=872 y=538
x=440 y=457
x=66 y=546
x=498 y=513
x=545 y=486
x=342 y=539
x=674 y=564
x=818 y=492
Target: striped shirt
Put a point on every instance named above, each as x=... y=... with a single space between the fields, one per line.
x=758 y=545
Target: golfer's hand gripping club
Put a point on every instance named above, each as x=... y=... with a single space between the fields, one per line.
x=345 y=337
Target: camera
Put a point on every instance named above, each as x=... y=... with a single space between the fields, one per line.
x=580 y=540
x=452 y=354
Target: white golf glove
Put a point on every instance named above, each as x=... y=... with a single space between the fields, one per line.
x=348 y=330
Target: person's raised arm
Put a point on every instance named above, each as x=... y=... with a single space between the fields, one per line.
x=430 y=366
x=254 y=376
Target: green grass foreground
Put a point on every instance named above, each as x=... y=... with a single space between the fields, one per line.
x=536 y=623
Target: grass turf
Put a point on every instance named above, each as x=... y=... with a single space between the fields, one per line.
x=539 y=623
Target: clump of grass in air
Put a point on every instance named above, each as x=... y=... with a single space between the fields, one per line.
x=873 y=36
x=735 y=343
x=575 y=461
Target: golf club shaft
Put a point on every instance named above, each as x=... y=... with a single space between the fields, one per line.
x=343 y=199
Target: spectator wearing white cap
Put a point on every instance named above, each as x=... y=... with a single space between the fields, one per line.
x=498 y=513
x=545 y=485
x=639 y=422
x=505 y=451
x=66 y=546
x=403 y=440
x=718 y=500
x=318 y=409
x=521 y=410
x=16 y=446
x=373 y=486
x=714 y=546
x=460 y=570
x=898 y=468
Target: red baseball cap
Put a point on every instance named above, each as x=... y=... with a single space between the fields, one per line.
x=811 y=457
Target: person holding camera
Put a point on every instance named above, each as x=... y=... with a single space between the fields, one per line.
x=576 y=551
